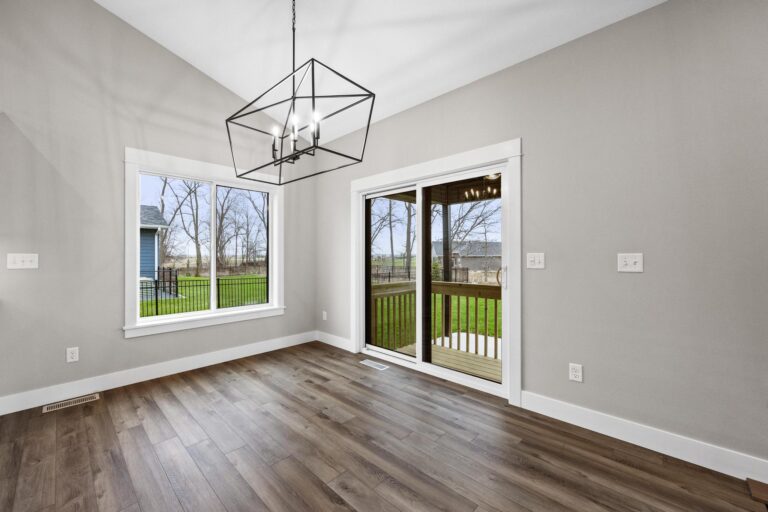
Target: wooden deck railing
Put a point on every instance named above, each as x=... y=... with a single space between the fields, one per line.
x=393 y=314
x=465 y=317
x=470 y=321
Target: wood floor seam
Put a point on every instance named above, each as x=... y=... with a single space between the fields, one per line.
x=308 y=428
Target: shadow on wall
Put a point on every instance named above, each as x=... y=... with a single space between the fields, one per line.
x=34 y=199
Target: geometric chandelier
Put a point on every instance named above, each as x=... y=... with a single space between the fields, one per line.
x=278 y=137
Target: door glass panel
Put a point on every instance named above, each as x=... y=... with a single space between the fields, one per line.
x=464 y=233
x=391 y=272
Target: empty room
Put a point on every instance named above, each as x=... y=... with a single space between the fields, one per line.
x=383 y=256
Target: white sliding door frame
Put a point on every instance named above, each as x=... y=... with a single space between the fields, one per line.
x=504 y=157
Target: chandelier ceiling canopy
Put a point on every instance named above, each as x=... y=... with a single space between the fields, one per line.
x=278 y=137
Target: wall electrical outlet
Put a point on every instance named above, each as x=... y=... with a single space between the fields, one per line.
x=630 y=262
x=73 y=354
x=575 y=372
x=535 y=260
x=325 y=315
x=22 y=261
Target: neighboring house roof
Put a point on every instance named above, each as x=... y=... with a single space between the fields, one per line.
x=469 y=248
x=151 y=217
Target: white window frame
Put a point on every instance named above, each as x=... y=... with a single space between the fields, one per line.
x=138 y=162
x=505 y=156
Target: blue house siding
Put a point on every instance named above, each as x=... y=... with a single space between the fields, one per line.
x=147 y=253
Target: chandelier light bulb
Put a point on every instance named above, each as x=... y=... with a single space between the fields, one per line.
x=295 y=129
x=315 y=127
x=275 y=133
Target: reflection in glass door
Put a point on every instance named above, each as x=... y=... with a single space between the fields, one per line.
x=462 y=318
x=390 y=260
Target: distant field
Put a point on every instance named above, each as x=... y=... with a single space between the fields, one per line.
x=399 y=262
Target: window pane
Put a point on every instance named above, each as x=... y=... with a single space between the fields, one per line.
x=391 y=249
x=174 y=246
x=464 y=332
x=242 y=247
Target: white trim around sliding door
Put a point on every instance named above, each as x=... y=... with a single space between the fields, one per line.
x=506 y=155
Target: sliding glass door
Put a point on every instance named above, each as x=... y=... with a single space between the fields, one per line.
x=391 y=272
x=463 y=233
x=440 y=306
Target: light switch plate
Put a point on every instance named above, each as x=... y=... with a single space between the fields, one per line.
x=535 y=260
x=575 y=372
x=630 y=262
x=22 y=261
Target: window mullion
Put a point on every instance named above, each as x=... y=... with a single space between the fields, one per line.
x=212 y=244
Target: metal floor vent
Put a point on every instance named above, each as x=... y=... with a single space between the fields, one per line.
x=374 y=364
x=69 y=403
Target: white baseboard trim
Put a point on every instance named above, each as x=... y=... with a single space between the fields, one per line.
x=57 y=392
x=724 y=460
x=336 y=341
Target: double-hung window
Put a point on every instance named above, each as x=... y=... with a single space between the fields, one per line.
x=201 y=247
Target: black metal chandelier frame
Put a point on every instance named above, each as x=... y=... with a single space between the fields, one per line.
x=280 y=156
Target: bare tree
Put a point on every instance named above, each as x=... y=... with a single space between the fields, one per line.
x=190 y=197
x=470 y=216
x=226 y=230
x=246 y=225
x=391 y=224
x=378 y=219
x=169 y=209
x=410 y=235
x=259 y=202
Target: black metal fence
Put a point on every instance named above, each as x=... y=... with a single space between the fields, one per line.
x=382 y=274
x=186 y=295
x=234 y=291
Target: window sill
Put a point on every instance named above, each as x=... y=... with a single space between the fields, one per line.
x=195 y=320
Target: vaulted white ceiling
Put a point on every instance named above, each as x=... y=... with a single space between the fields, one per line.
x=405 y=51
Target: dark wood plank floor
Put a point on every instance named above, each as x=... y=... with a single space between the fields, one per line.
x=310 y=429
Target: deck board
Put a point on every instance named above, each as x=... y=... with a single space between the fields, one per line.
x=466 y=362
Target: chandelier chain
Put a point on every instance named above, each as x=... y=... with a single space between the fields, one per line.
x=293 y=28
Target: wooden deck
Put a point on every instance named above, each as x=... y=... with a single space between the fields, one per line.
x=465 y=362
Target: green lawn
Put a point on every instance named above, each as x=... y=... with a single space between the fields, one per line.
x=194 y=294
x=403 y=330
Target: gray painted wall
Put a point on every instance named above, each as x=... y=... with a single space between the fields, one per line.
x=647 y=136
x=77 y=85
